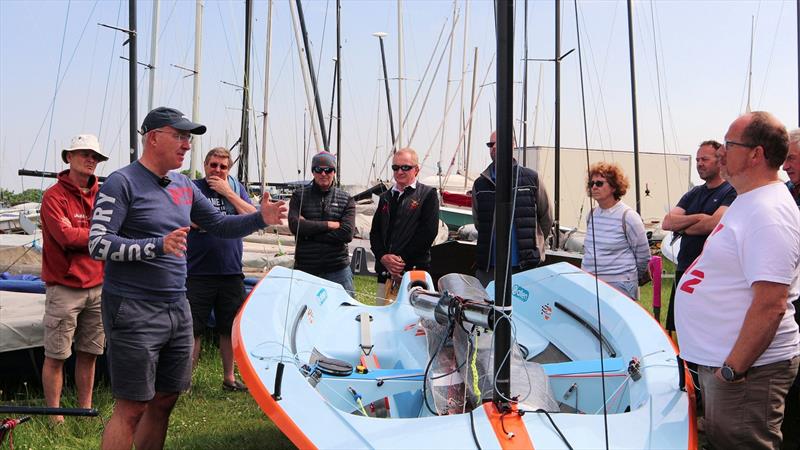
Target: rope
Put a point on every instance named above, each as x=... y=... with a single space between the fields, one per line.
x=594 y=240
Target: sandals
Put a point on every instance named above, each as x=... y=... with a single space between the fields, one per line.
x=236 y=386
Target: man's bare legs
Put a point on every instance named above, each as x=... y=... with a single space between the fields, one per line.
x=142 y=423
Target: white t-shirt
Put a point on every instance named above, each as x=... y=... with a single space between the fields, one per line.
x=758 y=239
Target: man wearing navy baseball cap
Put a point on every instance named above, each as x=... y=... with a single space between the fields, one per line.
x=139 y=227
x=169 y=117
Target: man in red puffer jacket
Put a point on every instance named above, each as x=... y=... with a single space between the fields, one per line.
x=73 y=278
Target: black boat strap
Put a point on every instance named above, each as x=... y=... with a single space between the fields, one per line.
x=681 y=373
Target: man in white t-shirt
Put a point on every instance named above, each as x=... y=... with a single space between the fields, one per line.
x=733 y=313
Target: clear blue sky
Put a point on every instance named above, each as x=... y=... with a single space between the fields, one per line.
x=702 y=47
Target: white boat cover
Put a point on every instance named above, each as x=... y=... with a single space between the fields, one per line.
x=21 y=321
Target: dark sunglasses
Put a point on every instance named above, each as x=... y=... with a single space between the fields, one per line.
x=490 y=144
x=323 y=170
x=214 y=165
x=597 y=183
x=404 y=167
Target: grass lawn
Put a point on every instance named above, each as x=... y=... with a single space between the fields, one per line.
x=208 y=418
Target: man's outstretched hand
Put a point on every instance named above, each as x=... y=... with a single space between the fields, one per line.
x=272 y=212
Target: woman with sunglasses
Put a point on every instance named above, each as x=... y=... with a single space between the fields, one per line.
x=616 y=248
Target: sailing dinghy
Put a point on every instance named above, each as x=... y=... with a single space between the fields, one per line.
x=322 y=335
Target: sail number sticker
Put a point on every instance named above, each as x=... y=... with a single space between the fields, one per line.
x=520 y=293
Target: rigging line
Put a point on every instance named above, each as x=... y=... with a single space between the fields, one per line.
x=91 y=78
x=59 y=79
x=178 y=77
x=660 y=103
x=108 y=75
x=55 y=91
x=771 y=52
x=166 y=22
x=419 y=86
x=469 y=121
x=594 y=240
x=227 y=41
x=658 y=81
x=600 y=76
x=322 y=44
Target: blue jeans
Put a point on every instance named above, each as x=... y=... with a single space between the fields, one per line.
x=342 y=276
x=629 y=288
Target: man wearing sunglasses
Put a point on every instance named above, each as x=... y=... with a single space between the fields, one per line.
x=532 y=218
x=214 y=265
x=732 y=309
x=405 y=223
x=322 y=217
x=74 y=280
x=139 y=227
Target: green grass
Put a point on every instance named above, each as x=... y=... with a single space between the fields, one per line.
x=208 y=417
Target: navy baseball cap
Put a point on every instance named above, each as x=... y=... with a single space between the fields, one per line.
x=170 y=117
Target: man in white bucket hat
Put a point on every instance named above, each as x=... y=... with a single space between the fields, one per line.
x=73 y=278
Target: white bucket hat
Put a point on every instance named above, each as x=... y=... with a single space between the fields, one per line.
x=84 y=142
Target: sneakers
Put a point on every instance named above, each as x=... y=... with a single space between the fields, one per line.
x=236 y=386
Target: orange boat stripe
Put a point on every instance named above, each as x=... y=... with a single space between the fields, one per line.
x=260 y=393
x=513 y=423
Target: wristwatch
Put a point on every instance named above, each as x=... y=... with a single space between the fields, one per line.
x=728 y=374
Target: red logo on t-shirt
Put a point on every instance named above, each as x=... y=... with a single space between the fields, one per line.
x=181 y=195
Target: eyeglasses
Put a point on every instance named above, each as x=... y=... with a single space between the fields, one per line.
x=215 y=165
x=490 y=144
x=326 y=170
x=404 y=167
x=597 y=183
x=740 y=144
x=183 y=137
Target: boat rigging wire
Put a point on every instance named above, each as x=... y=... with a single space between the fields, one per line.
x=108 y=75
x=658 y=85
x=59 y=81
x=594 y=240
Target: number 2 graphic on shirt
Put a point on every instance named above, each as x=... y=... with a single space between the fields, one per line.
x=690 y=283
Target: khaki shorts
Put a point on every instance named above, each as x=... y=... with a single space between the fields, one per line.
x=72 y=314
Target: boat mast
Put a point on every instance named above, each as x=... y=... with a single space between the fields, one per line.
x=132 y=81
x=471 y=109
x=503 y=209
x=266 y=101
x=380 y=35
x=463 y=75
x=750 y=63
x=198 y=45
x=446 y=95
x=244 y=150
x=633 y=109
x=400 y=74
x=313 y=75
x=557 y=120
x=153 y=55
x=305 y=71
x=525 y=88
x=338 y=93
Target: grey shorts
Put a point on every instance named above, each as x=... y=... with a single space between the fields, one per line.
x=149 y=346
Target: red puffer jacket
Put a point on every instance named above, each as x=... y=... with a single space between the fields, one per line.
x=65 y=216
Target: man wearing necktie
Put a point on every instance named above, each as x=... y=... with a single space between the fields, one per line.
x=405 y=223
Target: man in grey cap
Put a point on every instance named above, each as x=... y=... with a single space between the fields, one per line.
x=322 y=218
x=139 y=226
x=73 y=278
